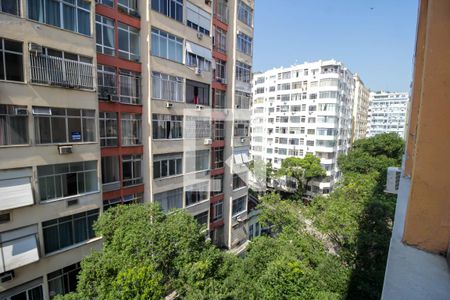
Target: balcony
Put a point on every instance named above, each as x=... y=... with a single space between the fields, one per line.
x=61 y=72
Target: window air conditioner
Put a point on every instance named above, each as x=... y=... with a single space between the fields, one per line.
x=65 y=149
x=207 y=141
x=35 y=48
x=169 y=105
x=198 y=71
x=199 y=107
x=7 y=276
x=243 y=140
x=199 y=35
x=393 y=180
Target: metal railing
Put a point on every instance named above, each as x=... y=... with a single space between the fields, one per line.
x=61 y=72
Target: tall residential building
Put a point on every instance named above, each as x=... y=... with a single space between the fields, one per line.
x=360 y=109
x=387 y=113
x=303 y=109
x=146 y=92
x=50 y=192
x=418 y=261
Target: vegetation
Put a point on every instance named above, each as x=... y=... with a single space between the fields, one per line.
x=334 y=248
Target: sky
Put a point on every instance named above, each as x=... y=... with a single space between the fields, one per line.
x=374 y=38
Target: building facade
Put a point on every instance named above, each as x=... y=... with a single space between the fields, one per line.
x=303 y=109
x=118 y=102
x=387 y=113
x=360 y=109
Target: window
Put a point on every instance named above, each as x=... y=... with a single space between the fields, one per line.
x=217 y=210
x=243 y=72
x=130 y=87
x=197 y=127
x=329 y=82
x=197 y=193
x=105 y=35
x=198 y=56
x=128 y=6
x=31 y=291
x=220 y=71
x=67 y=231
x=106 y=82
x=167 y=126
x=165 y=165
x=197 y=18
x=63 y=69
x=10 y=6
x=171 y=8
x=67 y=14
x=218 y=155
x=221 y=10
x=128 y=42
x=241 y=128
x=63 y=281
x=60 y=125
x=220 y=40
x=131 y=129
x=239 y=205
x=11 y=60
x=170 y=200
x=108 y=129
x=244 y=43
x=167 y=46
x=328 y=94
x=238 y=181
x=131 y=170
x=13 y=125
x=242 y=100
x=110 y=173
x=219 y=130
x=197 y=92
x=197 y=160
x=245 y=13
x=167 y=87
x=284 y=86
x=220 y=99
x=109 y=3
x=65 y=180
x=217 y=185
x=202 y=218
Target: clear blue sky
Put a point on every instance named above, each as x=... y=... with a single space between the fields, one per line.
x=376 y=43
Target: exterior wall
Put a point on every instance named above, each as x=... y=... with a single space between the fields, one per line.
x=32 y=155
x=387 y=113
x=267 y=108
x=427 y=224
x=360 y=109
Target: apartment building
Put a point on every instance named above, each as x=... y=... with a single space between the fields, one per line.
x=419 y=258
x=303 y=109
x=360 y=109
x=117 y=102
x=50 y=192
x=387 y=113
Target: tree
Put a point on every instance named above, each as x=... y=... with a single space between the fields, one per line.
x=303 y=170
x=262 y=173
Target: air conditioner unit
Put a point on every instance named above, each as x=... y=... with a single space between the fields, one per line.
x=207 y=141
x=35 y=48
x=393 y=180
x=199 y=107
x=20 y=111
x=243 y=140
x=65 y=149
x=169 y=105
x=241 y=219
x=199 y=35
x=198 y=71
x=7 y=276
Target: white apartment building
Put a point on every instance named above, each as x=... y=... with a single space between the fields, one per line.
x=387 y=113
x=303 y=109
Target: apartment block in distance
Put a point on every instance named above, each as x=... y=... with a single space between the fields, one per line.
x=360 y=109
x=50 y=193
x=418 y=261
x=387 y=113
x=169 y=75
x=303 y=109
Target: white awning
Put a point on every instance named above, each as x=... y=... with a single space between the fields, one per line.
x=18 y=248
x=198 y=16
x=245 y=157
x=15 y=192
x=198 y=50
x=238 y=159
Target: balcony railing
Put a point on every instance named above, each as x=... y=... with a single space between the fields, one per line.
x=61 y=72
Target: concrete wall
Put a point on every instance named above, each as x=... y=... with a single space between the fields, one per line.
x=427 y=224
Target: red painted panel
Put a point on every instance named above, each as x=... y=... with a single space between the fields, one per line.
x=117 y=62
x=218 y=144
x=105 y=106
x=216 y=224
x=220 y=24
x=219 y=55
x=216 y=198
x=219 y=86
x=217 y=171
